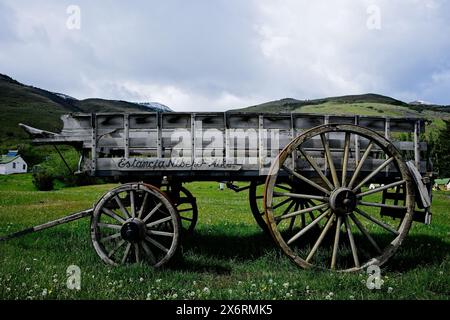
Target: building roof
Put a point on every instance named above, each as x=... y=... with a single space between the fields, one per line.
x=7 y=159
x=442 y=181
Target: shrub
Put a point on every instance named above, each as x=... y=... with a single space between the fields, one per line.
x=43 y=180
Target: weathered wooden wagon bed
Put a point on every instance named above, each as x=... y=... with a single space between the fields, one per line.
x=335 y=192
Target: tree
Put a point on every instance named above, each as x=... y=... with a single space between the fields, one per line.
x=442 y=151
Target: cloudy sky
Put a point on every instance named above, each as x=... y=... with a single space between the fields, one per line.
x=223 y=54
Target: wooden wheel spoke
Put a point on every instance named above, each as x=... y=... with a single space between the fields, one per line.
x=380 y=223
x=110 y=226
x=373 y=173
x=381 y=205
x=282 y=203
x=291 y=224
x=117 y=247
x=160 y=233
x=111 y=237
x=185 y=210
x=113 y=215
x=307 y=228
x=148 y=216
x=388 y=186
x=156 y=244
x=126 y=253
x=336 y=242
x=360 y=165
x=365 y=232
x=286 y=211
x=296 y=213
x=345 y=158
x=183 y=201
x=352 y=242
x=280 y=186
x=301 y=196
x=330 y=160
x=136 y=253
x=320 y=239
x=304 y=179
x=185 y=218
x=121 y=206
x=310 y=203
x=303 y=218
x=132 y=206
x=148 y=252
x=143 y=205
x=162 y=220
x=313 y=164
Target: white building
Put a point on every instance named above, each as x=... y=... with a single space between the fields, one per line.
x=442 y=184
x=12 y=162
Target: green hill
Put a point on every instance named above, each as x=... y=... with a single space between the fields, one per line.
x=42 y=109
x=366 y=104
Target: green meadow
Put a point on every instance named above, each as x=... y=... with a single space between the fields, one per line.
x=227 y=257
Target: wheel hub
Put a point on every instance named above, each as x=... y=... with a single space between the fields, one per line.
x=133 y=230
x=342 y=201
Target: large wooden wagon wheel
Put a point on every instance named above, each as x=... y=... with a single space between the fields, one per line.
x=186 y=205
x=335 y=164
x=133 y=223
x=256 y=196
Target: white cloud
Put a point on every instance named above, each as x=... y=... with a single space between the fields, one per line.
x=217 y=55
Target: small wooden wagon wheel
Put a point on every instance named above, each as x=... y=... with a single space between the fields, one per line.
x=335 y=177
x=186 y=205
x=135 y=222
x=256 y=195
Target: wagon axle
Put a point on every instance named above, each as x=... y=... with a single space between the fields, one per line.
x=133 y=230
x=342 y=201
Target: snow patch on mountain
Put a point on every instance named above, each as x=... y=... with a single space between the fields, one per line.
x=420 y=103
x=155 y=105
x=64 y=96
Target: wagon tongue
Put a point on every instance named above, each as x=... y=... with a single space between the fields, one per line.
x=50 y=224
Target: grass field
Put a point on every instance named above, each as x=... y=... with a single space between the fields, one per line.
x=228 y=257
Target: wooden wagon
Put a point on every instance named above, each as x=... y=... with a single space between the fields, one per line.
x=308 y=178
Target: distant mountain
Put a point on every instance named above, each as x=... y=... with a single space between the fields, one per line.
x=365 y=104
x=155 y=105
x=42 y=109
